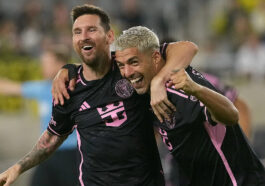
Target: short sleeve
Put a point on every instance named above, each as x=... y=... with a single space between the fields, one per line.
x=199 y=78
x=61 y=122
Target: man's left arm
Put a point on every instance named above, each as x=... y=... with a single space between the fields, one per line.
x=221 y=108
x=178 y=55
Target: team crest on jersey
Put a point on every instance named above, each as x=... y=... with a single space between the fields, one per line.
x=197 y=73
x=124 y=89
x=193 y=98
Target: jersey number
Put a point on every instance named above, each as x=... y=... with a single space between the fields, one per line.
x=163 y=134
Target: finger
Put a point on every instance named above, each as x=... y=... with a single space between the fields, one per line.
x=159 y=117
x=176 y=77
x=170 y=83
x=61 y=99
x=55 y=99
x=53 y=91
x=72 y=84
x=162 y=113
x=170 y=105
x=179 y=85
x=65 y=93
x=165 y=108
x=55 y=94
x=2 y=182
x=7 y=183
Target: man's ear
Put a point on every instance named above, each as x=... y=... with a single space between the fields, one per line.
x=156 y=57
x=110 y=37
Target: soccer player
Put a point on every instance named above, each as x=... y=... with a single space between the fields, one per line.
x=203 y=134
x=169 y=164
x=115 y=139
x=61 y=169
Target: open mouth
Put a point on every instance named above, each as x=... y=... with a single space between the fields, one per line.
x=87 y=48
x=136 y=82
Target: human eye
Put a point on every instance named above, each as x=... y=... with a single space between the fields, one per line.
x=76 y=32
x=120 y=65
x=134 y=62
x=92 y=29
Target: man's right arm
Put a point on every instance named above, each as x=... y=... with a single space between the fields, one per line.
x=45 y=146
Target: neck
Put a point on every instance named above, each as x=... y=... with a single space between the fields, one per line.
x=97 y=71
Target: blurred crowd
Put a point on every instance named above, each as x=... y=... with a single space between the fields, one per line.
x=229 y=33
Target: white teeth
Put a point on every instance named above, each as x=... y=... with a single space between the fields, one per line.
x=87 y=47
x=135 y=80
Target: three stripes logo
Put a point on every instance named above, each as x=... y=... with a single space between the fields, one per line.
x=84 y=106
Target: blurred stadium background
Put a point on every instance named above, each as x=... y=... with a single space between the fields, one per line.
x=230 y=35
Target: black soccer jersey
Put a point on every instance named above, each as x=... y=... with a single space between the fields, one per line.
x=208 y=153
x=115 y=136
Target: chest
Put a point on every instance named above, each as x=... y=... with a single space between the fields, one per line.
x=113 y=114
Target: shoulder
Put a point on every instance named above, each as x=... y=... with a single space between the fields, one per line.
x=199 y=78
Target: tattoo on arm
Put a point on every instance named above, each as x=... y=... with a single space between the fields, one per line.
x=46 y=145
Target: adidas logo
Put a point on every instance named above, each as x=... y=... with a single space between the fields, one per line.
x=84 y=106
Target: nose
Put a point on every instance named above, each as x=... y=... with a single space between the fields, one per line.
x=128 y=71
x=85 y=36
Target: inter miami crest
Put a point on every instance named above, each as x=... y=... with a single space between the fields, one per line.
x=124 y=89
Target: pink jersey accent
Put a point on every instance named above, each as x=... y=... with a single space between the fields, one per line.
x=82 y=159
x=112 y=111
x=86 y=104
x=165 y=139
x=178 y=93
x=80 y=80
x=217 y=134
x=53 y=131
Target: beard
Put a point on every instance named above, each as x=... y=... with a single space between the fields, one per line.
x=97 y=62
x=88 y=61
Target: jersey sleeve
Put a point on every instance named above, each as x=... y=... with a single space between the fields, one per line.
x=199 y=78
x=61 y=122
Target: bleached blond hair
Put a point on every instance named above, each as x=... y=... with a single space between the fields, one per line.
x=138 y=36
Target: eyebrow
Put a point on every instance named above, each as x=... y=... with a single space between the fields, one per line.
x=132 y=58
x=76 y=29
x=129 y=60
x=87 y=27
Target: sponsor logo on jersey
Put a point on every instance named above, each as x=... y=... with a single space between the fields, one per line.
x=84 y=106
x=113 y=114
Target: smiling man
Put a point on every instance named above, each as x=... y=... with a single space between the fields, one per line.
x=116 y=141
x=203 y=134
